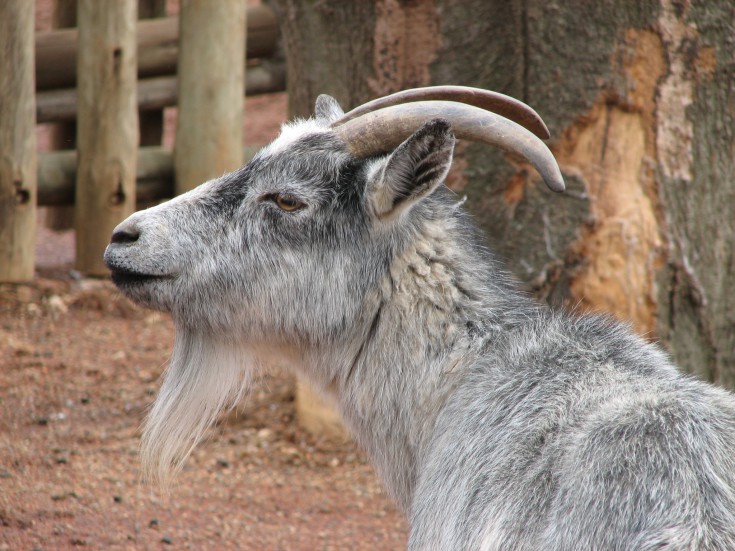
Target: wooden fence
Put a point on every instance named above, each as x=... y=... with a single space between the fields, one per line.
x=102 y=74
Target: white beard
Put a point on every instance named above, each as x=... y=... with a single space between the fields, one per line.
x=204 y=377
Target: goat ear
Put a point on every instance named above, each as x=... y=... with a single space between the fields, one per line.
x=327 y=109
x=414 y=170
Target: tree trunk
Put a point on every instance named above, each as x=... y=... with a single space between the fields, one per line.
x=639 y=100
x=209 y=132
x=107 y=126
x=17 y=142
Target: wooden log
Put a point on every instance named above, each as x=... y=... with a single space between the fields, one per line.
x=209 y=129
x=107 y=126
x=318 y=415
x=157 y=44
x=150 y=121
x=17 y=142
x=57 y=172
x=157 y=92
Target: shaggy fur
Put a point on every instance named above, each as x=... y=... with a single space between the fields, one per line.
x=494 y=422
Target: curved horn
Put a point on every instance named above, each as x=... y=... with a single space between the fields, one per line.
x=503 y=105
x=383 y=130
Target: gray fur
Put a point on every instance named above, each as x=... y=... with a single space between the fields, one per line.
x=494 y=422
x=327 y=110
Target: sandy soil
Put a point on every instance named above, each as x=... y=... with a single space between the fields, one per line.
x=79 y=365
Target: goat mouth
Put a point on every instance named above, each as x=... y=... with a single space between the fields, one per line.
x=121 y=277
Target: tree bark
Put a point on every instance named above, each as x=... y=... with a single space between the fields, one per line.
x=17 y=142
x=639 y=100
x=209 y=132
x=107 y=126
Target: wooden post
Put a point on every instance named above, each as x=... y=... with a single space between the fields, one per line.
x=318 y=415
x=17 y=141
x=209 y=133
x=63 y=134
x=107 y=126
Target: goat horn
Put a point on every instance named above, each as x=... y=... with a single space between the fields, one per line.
x=503 y=105
x=383 y=130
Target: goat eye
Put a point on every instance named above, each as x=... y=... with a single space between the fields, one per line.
x=287 y=203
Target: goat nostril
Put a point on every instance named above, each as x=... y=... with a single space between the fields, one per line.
x=125 y=236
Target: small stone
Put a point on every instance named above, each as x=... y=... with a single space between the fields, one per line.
x=223 y=463
x=153 y=523
x=265 y=434
x=153 y=319
x=14 y=345
x=43 y=421
x=117 y=499
x=167 y=540
x=57 y=307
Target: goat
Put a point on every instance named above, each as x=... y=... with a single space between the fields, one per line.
x=493 y=421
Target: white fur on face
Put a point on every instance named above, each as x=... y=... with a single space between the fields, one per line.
x=291 y=132
x=203 y=378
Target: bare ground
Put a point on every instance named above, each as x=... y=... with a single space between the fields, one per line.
x=79 y=365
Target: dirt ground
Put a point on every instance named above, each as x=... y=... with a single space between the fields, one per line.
x=80 y=365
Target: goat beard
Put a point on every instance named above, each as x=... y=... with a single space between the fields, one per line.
x=204 y=377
